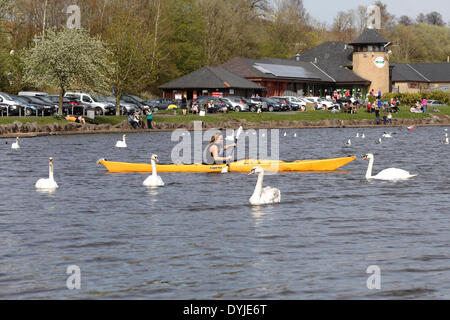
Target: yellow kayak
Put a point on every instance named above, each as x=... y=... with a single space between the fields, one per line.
x=237 y=166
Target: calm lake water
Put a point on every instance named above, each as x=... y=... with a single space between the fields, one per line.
x=198 y=238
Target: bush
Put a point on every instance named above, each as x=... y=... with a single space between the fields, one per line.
x=412 y=98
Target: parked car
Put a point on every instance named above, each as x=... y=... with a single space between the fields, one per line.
x=70 y=105
x=254 y=105
x=285 y=105
x=436 y=103
x=32 y=93
x=26 y=107
x=272 y=105
x=310 y=101
x=130 y=98
x=160 y=103
x=13 y=106
x=324 y=104
x=93 y=102
x=296 y=103
x=202 y=102
x=238 y=104
x=125 y=107
x=43 y=107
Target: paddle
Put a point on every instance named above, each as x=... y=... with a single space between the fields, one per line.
x=236 y=137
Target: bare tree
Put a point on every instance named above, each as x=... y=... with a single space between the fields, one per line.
x=435 y=18
x=405 y=20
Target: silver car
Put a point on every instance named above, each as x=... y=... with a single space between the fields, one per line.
x=125 y=107
x=237 y=103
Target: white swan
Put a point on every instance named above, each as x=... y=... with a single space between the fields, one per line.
x=391 y=174
x=378 y=141
x=348 y=143
x=285 y=134
x=295 y=135
x=123 y=143
x=363 y=136
x=446 y=139
x=263 y=196
x=50 y=183
x=357 y=134
x=387 y=135
x=15 y=145
x=153 y=180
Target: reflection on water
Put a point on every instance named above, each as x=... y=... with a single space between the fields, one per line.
x=198 y=237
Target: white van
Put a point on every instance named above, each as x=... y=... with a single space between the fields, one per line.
x=32 y=93
x=94 y=102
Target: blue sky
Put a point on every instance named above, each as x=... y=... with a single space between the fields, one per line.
x=325 y=10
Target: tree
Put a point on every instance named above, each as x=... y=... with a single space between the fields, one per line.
x=421 y=18
x=405 y=20
x=343 y=26
x=435 y=18
x=68 y=59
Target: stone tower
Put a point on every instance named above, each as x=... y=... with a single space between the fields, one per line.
x=371 y=59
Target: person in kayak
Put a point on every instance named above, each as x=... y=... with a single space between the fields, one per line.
x=215 y=148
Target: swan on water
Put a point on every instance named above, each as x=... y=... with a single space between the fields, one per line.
x=357 y=134
x=15 y=145
x=363 y=136
x=153 y=180
x=391 y=174
x=348 y=143
x=285 y=134
x=261 y=196
x=378 y=141
x=50 y=183
x=387 y=134
x=446 y=139
x=122 y=143
x=295 y=135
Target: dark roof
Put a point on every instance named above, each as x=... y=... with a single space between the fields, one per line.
x=210 y=78
x=336 y=52
x=369 y=36
x=251 y=69
x=404 y=72
x=421 y=72
x=434 y=72
x=332 y=58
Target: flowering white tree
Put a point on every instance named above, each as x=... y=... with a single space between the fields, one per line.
x=68 y=59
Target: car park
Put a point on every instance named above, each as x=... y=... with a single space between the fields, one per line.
x=238 y=104
x=26 y=107
x=130 y=98
x=32 y=93
x=70 y=105
x=125 y=107
x=267 y=103
x=203 y=101
x=44 y=105
x=297 y=102
x=93 y=102
x=285 y=105
x=12 y=105
x=436 y=103
x=160 y=103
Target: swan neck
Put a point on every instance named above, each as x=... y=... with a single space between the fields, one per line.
x=258 y=187
x=50 y=172
x=154 y=168
x=369 y=169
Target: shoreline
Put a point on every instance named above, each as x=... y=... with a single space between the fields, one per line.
x=31 y=130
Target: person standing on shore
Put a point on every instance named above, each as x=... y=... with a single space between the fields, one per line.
x=149 y=114
x=425 y=105
x=377 y=115
x=184 y=105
